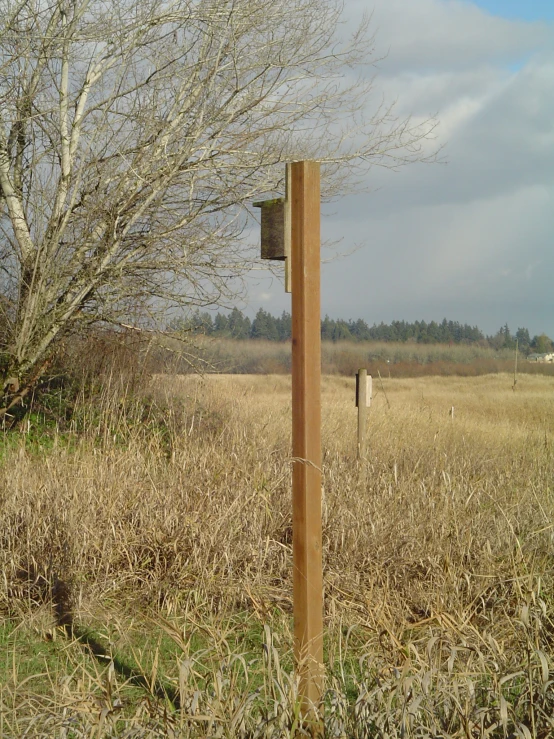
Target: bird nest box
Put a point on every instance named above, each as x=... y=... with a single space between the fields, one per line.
x=275 y=228
x=275 y=223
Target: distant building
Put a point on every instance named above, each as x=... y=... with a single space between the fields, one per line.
x=541 y=357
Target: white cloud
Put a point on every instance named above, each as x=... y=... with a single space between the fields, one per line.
x=498 y=134
x=450 y=260
x=447 y=34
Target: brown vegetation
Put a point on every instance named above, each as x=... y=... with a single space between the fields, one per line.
x=346 y=357
x=178 y=502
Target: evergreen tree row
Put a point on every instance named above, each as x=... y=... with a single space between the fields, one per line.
x=235 y=325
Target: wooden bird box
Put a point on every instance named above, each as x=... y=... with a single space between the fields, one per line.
x=276 y=229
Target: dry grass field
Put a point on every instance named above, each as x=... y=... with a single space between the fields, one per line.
x=147 y=562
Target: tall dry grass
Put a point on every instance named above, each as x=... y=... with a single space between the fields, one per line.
x=438 y=548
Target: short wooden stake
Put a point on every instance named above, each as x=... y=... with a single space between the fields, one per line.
x=306 y=432
x=515 y=367
x=361 y=402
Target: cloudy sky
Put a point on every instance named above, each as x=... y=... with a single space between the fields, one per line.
x=472 y=239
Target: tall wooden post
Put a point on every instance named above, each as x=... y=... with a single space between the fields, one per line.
x=306 y=429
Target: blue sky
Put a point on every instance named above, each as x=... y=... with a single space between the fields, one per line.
x=471 y=240
x=532 y=10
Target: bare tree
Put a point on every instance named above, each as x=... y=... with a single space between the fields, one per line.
x=134 y=136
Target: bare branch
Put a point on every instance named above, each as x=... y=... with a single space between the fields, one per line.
x=134 y=137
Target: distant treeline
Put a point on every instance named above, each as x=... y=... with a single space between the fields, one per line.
x=235 y=325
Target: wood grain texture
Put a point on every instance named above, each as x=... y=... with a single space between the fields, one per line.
x=306 y=428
